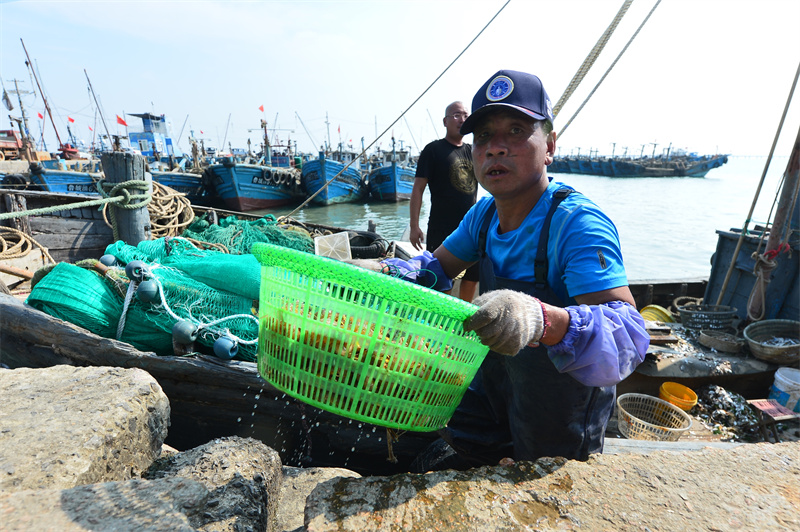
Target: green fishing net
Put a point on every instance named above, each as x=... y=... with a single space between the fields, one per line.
x=239 y=274
x=78 y=296
x=238 y=236
x=216 y=292
x=97 y=303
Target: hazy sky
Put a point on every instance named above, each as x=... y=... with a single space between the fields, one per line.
x=707 y=75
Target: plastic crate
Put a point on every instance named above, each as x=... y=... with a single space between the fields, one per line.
x=362 y=344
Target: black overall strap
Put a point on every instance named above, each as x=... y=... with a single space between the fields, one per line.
x=487 y=219
x=540 y=265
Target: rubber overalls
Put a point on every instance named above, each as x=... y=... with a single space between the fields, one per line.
x=521 y=406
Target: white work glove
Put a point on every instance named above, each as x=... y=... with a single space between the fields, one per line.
x=507 y=321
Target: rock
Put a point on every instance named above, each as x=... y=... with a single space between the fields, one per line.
x=751 y=487
x=65 y=426
x=243 y=477
x=161 y=505
x=297 y=484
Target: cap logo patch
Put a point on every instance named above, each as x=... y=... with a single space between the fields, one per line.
x=499 y=88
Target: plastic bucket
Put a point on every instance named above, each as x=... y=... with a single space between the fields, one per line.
x=656 y=313
x=678 y=394
x=786 y=388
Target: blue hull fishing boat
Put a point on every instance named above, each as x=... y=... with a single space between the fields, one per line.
x=248 y=187
x=394 y=179
x=675 y=165
x=64 y=181
x=347 y=187
x=184 y=182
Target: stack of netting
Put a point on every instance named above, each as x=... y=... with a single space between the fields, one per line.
x=238 y=236
x=214 y=293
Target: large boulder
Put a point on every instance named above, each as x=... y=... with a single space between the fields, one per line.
x=166 y=505
x=298 y=482
x=66 y=426
x=242 y=475
x=751 y=487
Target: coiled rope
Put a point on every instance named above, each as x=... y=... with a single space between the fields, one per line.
x=16 y=244
x=170 y=212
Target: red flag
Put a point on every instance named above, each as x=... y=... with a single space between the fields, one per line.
x=261 y=108
x=40 y=115
x=340 y=130
x=121 y=121
x=201 y=131
x=71 y=120
x=90 y=128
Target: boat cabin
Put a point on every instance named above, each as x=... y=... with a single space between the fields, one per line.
x=154 y=137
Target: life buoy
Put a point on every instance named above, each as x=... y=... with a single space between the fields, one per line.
x=367 y=245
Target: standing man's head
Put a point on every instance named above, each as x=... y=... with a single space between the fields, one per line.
x=454 y=117
x=513 y=138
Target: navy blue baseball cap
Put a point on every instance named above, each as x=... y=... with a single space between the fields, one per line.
x=509 y=88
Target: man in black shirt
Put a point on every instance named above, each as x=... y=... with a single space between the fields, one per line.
x=445 y=165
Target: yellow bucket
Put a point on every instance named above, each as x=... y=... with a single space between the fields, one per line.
x=656 y=313
x=678 y=394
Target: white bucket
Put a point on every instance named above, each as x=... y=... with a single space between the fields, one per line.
x=786 y=388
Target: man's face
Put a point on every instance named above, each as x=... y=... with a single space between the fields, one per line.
x=510 y=152
x=455 y=117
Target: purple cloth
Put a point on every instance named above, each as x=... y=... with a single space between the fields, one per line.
x=423 y=270
x=603 y=345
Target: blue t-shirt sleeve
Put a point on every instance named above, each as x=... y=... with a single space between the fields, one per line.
x=586 y=244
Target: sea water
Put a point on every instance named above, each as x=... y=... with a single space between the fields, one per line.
x=667 y=226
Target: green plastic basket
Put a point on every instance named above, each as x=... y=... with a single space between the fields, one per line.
x=361 y=344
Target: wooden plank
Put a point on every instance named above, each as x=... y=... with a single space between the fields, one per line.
x=24 y=265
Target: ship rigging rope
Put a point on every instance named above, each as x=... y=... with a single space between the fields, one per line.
x=744 y=231
x=119 y=195
x=592 y=57
x=609 y=69
x=364 y=151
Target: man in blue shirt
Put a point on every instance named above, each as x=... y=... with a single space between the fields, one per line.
x=555 y=307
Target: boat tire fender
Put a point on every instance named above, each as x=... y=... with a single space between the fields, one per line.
x=14 y=180
x=366 y=245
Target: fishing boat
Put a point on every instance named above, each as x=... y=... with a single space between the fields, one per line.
x=209 y=397
x=393 y=178
x=334 y=177
x=680 y=164
x=59 y=180
x=246 y=187
x=188 y=183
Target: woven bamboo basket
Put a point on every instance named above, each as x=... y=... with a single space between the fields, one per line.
x=760 y=333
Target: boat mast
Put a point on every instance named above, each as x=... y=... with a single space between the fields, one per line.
x=28 y=142
x=46 y=105
x=328 y=124
x=102 y=119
